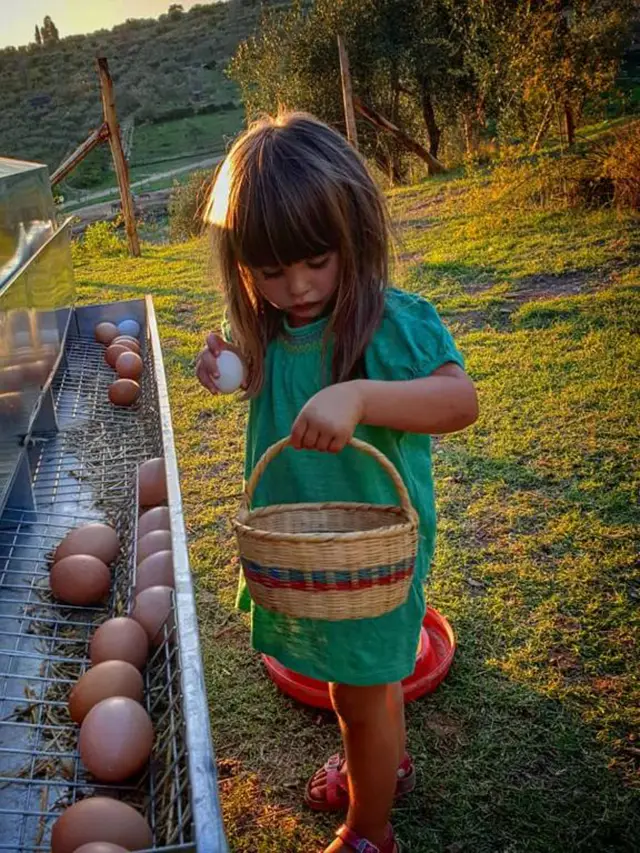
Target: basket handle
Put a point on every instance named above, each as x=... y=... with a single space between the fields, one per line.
x=277 y=448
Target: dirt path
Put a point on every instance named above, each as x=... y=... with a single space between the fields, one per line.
x=180 y=170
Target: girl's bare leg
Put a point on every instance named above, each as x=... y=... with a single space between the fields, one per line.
x=372 y=724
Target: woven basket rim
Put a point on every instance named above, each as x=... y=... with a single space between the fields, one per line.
x=244 y=529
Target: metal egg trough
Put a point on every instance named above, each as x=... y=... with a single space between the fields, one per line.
x=68 y=456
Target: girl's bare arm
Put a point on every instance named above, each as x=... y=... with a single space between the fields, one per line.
x=443 y=402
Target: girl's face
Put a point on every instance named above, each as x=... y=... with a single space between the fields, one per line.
x=303 y=290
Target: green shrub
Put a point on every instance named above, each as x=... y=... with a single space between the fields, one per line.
x=100 y=239
x=621 y=166
x=605 y=174
x=186 y=205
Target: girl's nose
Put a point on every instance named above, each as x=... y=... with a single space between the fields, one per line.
x=296 y=279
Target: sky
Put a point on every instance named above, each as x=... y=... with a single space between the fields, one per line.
x=18 y=18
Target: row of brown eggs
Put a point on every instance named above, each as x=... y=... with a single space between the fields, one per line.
x=154 y=557
x=123 y=354
x=116 y=733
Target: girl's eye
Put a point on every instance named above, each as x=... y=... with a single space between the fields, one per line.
x=271 y=273
x=319 y=262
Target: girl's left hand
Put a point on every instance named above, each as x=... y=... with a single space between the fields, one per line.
x=327 y=422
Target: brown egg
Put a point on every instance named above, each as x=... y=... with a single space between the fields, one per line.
x=155 y=570
x=153 y=608
x=129 y=366
x=100 y=819
x=116 y=738
x=80 y=579
x=105 y=333
x=124 y=392
x=157 y=518
x=152 y=482
x=156 y=540
x=111 y=678
x=99 y=540
x=113 y=352
x=120 y=639
x=101 y=847
x=128 y=341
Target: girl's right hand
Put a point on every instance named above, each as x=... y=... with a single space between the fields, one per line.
x=207 y=364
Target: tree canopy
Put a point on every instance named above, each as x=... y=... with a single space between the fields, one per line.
x=445 y=70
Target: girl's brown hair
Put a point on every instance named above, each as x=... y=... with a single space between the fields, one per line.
x=291 y=188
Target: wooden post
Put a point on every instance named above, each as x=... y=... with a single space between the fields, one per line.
x=95 y=138
x=119 y=160
x=347 y=94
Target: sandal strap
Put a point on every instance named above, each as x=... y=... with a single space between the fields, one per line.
x=335 y=762
x=335 y=782
x=361 y=845
x=406 y=767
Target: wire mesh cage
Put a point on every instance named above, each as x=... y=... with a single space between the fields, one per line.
x=82 y=469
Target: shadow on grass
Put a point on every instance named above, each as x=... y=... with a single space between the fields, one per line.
x=459 y=278
x=500 y=768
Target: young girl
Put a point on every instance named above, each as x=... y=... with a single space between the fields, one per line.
x=332 y=351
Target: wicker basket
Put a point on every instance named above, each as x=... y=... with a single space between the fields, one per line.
x=328 y=560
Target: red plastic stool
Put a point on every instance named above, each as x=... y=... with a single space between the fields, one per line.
x=435 y=653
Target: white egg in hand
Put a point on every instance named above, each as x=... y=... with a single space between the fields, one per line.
x=231 y=372
x=129 y=327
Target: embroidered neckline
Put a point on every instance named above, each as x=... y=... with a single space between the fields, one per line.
x=302 y=337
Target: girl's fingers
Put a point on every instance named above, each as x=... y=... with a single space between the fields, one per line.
x=205 y=378
x=310 y=439
x=207 y=382
x=209 y=363
x=298 y=433
x=323 y=442
x=336 y=445
x=215 y=344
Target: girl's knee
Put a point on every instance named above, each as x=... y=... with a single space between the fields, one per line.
x=358 y=704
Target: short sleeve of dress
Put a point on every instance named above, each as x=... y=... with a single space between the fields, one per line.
x=411 y=341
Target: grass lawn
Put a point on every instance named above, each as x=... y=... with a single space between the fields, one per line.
x=530 y=744
x=207 y=132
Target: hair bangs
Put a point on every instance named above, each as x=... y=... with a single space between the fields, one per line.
x=282 y=216
x=291 y=189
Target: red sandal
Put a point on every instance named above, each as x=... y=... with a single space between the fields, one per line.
x=335 y=787
x=361 y=845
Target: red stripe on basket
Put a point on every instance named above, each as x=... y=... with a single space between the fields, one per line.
x=329 y=587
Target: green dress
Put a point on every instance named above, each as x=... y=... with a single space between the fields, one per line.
x=410 y=342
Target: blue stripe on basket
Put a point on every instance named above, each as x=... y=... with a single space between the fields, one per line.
x=326 y=576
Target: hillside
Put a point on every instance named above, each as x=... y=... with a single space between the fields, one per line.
x=163 y=69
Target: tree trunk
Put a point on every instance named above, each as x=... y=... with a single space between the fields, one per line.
x=467 y=125
x=544 y=127
x=379 y=121
x=395 y=166
x=569 y=124
x=433 y=131
x=387 y=165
